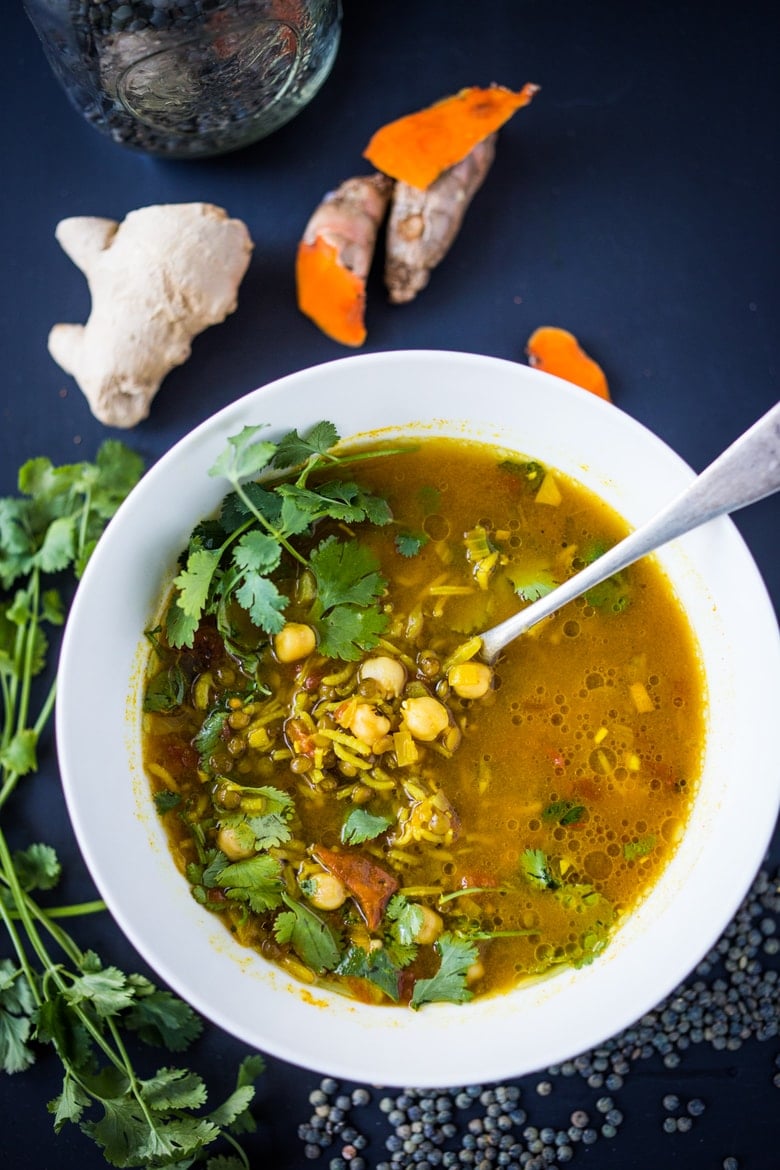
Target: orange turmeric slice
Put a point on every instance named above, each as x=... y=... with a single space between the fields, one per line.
x=558 y=352
x=335 y=253
x=329 y=293
x=418 y=147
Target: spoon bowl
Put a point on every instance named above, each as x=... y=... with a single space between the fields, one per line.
x=747 y=471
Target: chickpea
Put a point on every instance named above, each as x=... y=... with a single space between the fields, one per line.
x=470 y=680
x=388 y=673
x=325 y=891
x=425 y=717
x=235 y=848
x=368 y=725
x=475 y=972
x=294 y=641
x=430 y=928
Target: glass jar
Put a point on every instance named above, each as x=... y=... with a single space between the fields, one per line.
x=188 y=78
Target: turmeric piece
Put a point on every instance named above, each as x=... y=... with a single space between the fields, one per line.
x=370 y=885
x=423 y=224
x=419 y=147
x=156 y=280
x=335 y=254
x=558 y=352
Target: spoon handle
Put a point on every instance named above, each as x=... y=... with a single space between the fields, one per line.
x=745 y=472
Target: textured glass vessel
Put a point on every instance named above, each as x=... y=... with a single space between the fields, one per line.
x=188 y=78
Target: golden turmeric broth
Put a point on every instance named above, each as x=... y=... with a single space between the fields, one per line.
x=412 y=825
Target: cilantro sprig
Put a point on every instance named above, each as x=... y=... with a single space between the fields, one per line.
x=232 y=560
x=52 y=993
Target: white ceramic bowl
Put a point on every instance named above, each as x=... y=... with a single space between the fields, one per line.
x=444 y=1045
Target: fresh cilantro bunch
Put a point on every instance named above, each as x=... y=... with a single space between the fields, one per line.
x=232 y=559
x=51 y=991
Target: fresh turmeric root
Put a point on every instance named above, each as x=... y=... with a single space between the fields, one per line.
x=419 y=147
x=335 y=254
x=558 y=352
x=423 y=224
x=432 y=163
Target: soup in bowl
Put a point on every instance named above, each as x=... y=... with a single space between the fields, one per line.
x=305 y=747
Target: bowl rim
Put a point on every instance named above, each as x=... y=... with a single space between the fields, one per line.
x=336 y=1037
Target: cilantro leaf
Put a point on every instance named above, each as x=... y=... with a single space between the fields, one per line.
x=530 y=582
x=16 y=1007
x=263 y=602
x=258 y=832
x=59 y=1023
x=408 y=543
x=165 y=691
x=404 y=919
x=194 y=582
x=639 y=848
x=173 y=1088
x=254 y=500
x=180 y=627
x=294 y=448
x=209 y=734
x=346 y=632
x=376 y=966
x=346 y=573
x=257 y=552
x=312 y=939
x=105 y=989
x=232 y=1108
x=119 y=469
x=125 y=1136
x=161 y=1018
x=70 y=1104
x=564 y=812
x=337 y=499
x=58 y=547
x=37 y=867
x=536 y=869
x=254 y=880
x=361 y=825
x=449 y=982
x=244 y=456
x=19 y=755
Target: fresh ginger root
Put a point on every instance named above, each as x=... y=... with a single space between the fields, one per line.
x=558 y=352
x=335 y=254
x=417 y=148
x=156 y=280
x=423 y=224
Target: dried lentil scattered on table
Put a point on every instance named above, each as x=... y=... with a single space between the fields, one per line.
x=732 y=997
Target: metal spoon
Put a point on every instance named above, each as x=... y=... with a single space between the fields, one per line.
x=747 y=471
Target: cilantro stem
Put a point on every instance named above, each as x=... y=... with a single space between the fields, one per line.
x=238 y=1148
x=23 y=702
x=19 y=948
x=313 y=463
x=83 y=526
x=274 y=532
x=76 y=909
x=488 y=934
x=464 y=893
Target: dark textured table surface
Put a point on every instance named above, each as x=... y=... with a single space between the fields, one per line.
x=634 y=203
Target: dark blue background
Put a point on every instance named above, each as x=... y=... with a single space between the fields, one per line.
x=634 y=203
